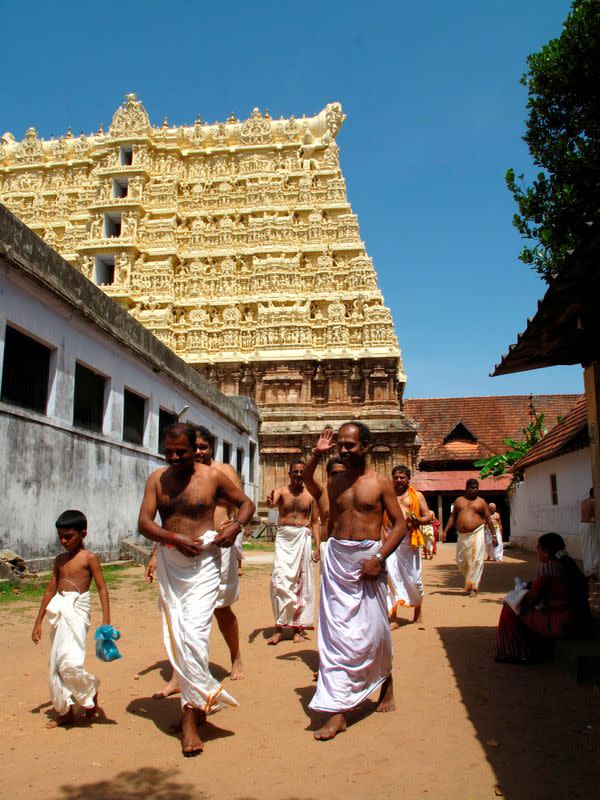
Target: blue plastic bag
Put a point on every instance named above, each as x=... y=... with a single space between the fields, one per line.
x=105 y=637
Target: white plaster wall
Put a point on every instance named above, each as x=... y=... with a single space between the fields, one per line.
x=47 y=465
x=532 y=511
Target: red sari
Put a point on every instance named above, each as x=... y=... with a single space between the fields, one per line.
x=555 y=607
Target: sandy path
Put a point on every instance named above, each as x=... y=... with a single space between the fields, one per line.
x=464 y=724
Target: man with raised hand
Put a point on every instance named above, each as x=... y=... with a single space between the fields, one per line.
x=355 y=645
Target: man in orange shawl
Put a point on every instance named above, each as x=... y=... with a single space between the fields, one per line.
x=404 y=565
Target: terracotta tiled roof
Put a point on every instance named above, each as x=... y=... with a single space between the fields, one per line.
x=454 y=481
x=489 y=419
x=569 y=433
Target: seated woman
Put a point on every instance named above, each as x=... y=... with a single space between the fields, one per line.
x=556 y=606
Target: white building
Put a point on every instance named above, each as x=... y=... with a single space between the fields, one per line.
x=557 y=476
x=85 y=392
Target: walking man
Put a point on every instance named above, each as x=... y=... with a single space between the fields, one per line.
x=292 y=581
x=470 y=514
x=355 y=645
x=185 y=495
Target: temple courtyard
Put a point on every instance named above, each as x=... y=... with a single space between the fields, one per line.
x=465 y=727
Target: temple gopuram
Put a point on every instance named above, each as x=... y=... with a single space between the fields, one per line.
x=233 y=243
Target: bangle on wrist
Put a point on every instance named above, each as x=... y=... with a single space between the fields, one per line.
x=170 y=538
x=380 y=558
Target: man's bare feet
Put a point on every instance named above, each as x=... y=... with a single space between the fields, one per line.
x=334 y=725
x=418 y=615
x=276 y=638
x=472 y=593
x=191 y=743
x=394 y=624
x=172 y=687
x=386 y=700
x=89 y=713
x=63 y=719
x=299 y=636
x=237 y=669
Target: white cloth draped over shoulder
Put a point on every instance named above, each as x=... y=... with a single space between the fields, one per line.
x=188 y=593
x=405 y=584
x=292 y=581
x=470 y=555
x=355 y=644
x=589 y=547
x=229 y=582
x=497 y=552
x=69 y=617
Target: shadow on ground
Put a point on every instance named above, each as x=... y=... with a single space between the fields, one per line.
x=540 y=731
x=143 y=784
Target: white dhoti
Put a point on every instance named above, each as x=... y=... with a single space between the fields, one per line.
x=229 y=580
x=470 y=555
x=188 y=593
x=589 y=547
x=496 y=553
x=404 y=576
x=292 y=581
x=355 y=644
x=69 y=616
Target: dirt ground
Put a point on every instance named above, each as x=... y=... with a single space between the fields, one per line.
x=465 y=728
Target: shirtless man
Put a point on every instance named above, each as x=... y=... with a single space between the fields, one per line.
x=404 y=567
x=589 y=537
x=494 y=552
x=470 y=515
x=230 y=586
x=292 y=581
x=185 y=495
x=355 y=646
x=318 y=492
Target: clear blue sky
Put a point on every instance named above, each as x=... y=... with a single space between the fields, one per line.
x=435 y=115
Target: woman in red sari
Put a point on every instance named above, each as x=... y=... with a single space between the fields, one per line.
x=556 y=606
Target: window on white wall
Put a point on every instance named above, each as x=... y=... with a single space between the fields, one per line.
x=134 y=417
x=251 y=457
x=226 y=453
x=25 y=371
x=239 y=461
x=553 y=490
x=165 y=418
x=88 y=399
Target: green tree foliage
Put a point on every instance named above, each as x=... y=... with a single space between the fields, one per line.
x=501 y=464
x=563 y=136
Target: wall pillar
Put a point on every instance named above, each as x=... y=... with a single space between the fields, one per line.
x=591 y=379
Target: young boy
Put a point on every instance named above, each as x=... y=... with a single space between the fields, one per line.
x=67 y=603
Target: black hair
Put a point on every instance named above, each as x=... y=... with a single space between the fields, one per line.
x=72 y=519
x=206 y=436
x=551 y=543
x=364 y=432
x=294 y=462
x=472 y=482
x=181 y=429
x=333 y=462
x=401 y=468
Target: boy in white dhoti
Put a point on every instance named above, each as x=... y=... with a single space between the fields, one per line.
x=355 y=645
x=188 y=568
x=494 y=552
x=67 y=604
x=470 y=514
x=292 y=582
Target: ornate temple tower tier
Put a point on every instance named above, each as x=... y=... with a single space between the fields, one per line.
x=235 y=244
